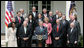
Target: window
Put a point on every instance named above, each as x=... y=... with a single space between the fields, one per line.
x=31 y=4
x=44 y=4
x=47 y=5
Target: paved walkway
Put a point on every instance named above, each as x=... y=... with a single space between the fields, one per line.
x=3 y=41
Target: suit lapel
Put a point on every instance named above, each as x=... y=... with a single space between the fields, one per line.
x=17 y=19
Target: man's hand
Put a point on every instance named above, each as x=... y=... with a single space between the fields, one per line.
x=75 y=42
x=25 y=38
x=48 y=34
x=56 y=38
x=68 y=41
x=67 y=35
x=18 y=37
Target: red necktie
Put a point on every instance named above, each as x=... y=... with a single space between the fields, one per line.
x=57 y=28
x=19 y=20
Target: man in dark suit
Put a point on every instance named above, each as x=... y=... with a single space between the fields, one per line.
x=40 y=30
x=72 y=36
x=23 y=14
x=51 y=18
x=77 y=24
x=44 y=13
x=18 y=20
x=34 y=13
x=25 y=35
x=56 y=15
x=57 y=34
x=65 y=25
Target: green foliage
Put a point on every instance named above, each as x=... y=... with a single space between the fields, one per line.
x=80 y=43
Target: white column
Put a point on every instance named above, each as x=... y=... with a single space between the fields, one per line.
x=67 y=9
x=28 y=7
x=39 y=6
x=4 y=22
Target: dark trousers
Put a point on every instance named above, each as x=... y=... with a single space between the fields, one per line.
x=43 y=43
x=19 y=42
x=72 y=45
x=57 y=43
x=49 y=45
x=64 y=42
x=25 y=44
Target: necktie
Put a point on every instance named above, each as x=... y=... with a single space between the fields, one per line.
x=57 y=28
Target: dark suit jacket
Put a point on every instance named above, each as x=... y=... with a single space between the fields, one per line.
x=65 y=27
x=59 y=33
x=72 y=36
x=23 y=35
x=37 y=21
x=17 y=21
x=38 y=32
x=52 y=21
x=43 y=15
x=32 y=24
x=36 y=16
x=55 y=17
x=77 y=25
x=18 y=25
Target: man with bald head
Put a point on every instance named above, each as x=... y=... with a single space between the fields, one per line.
x=25 y=35
x=72 y=35
x=57 y=34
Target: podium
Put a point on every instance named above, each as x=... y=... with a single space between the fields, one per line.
x=40 y=39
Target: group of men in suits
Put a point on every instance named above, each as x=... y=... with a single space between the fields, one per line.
x=63 y=31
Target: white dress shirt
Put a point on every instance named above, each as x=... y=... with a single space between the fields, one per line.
x=71 y=30
x=56 y=16
x=30 y=20
x=25 y=29
x=34 y=13
x=45 y=15
x=39 y=19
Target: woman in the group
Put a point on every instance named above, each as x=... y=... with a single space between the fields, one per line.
x=49 y=29
x=39 y=19
x=31 y=22
x=12 y=40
